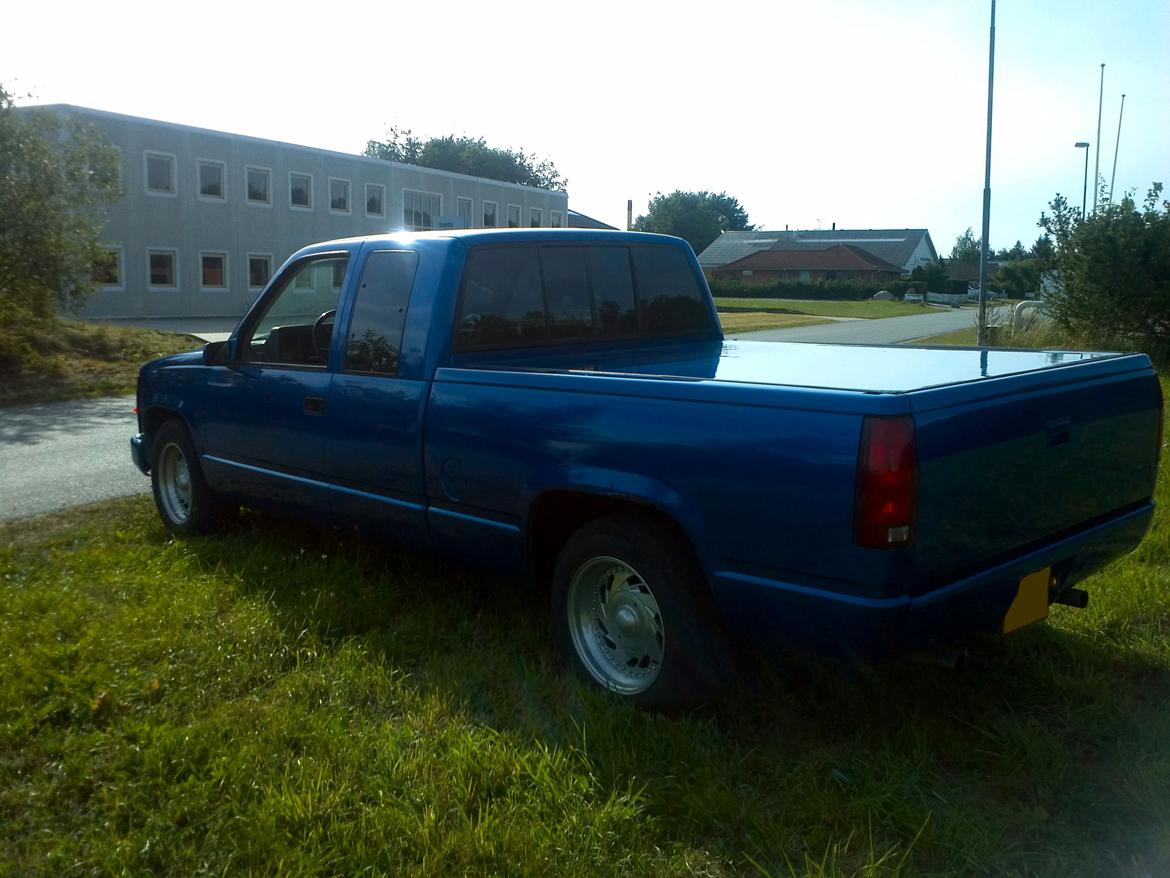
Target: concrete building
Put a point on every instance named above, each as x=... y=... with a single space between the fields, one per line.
x=904 y=248
x=208 y=216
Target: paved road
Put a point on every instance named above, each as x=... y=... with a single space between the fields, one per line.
x=888 y=330
x=60 y=454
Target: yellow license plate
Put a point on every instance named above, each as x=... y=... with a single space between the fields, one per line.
x=1031 y=603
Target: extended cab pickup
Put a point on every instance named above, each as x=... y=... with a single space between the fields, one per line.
x=561 y=406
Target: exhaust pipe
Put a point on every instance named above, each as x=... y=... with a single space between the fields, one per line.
x=1073 y=597
x=951 y=659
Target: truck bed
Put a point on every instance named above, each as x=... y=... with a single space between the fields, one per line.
x=1016 y=449
x=861 y=368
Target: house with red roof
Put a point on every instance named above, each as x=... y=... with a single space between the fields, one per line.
x=834 y=262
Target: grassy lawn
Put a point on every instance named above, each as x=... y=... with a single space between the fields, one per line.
x=70 y=359
x=282 y=700
x=747 y=321
x=866 y=308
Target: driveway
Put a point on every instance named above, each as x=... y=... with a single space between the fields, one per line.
x=61 y=454
x=887 y=330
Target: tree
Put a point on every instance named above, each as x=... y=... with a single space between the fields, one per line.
x=966 y=248
x=1043 y=252
x=467 y=155
x=56 y=176
x=696 y=217
x=1018 y=276
x=1017 y=251
x=933 y=274
x=1113 y=271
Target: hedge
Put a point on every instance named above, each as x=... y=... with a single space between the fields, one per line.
x=819 y=290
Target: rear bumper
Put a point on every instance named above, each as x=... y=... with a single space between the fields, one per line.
x=140 y=452
x=795 y=617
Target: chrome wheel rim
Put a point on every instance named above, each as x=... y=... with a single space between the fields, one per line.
x=174 y=483
x=616 y=625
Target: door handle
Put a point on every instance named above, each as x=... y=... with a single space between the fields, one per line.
x=314 y=405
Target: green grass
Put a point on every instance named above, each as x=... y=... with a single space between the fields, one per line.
x=69 y=359
x=278 y=700
x=750 y=321
x=867 y=308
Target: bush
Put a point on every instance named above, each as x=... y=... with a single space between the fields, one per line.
x=1113 y=273
x=816 y=290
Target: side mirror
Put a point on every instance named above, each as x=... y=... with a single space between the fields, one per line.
x=217 y=353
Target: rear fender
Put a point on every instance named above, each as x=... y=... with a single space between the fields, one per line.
x=631 y=487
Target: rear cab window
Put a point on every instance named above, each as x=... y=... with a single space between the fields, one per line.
x=528 y=295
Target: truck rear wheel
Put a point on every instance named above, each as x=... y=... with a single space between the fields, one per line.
x=633 y=614
x=184 y=501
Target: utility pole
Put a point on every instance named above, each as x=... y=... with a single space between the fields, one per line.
x=982 y=330
x=1097 y=160
x=1113 y=176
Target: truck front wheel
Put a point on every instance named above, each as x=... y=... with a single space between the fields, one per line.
x=185 y=503
x=634 y=616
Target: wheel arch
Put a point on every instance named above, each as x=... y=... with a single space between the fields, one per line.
x=155 y=416
x=555 y=514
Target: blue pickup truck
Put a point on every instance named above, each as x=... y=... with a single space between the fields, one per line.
x=561 y=406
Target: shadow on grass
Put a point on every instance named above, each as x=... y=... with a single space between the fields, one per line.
x=1045 y=752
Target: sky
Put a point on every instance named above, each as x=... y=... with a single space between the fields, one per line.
x=866 y=114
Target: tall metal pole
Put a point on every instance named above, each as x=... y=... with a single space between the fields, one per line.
x=982 y=330
x=1097 y=160
x=1085 y=185
x=1113 y=176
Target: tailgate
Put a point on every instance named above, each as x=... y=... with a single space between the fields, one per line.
x=1013 y=462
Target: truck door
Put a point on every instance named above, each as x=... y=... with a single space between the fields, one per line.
x=265 y=429
x=373 y=447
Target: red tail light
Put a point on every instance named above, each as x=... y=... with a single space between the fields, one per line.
x=887 y=483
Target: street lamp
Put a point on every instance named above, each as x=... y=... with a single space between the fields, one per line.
x=1081 y=144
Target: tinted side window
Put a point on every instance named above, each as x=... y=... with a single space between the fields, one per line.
x=613 y=291
x=566 y=290
x=374 y=341
x=502 y=303
x=669 y=296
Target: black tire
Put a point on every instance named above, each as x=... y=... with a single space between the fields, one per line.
x=668 y=608
x=187 y=506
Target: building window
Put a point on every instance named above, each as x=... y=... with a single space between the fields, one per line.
x=338 y=195
x=513 y=216
x=555 y=219
x=463 y=208
x=213 y=270
x=107 y=269
x=300 y=190
x=163 y=268
x=419 y=210
x=489 y=214
x=375 y=199
x=211 y=176
x=160 y=173
x=258 y=182
x=535 y=217
x=259 y=270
